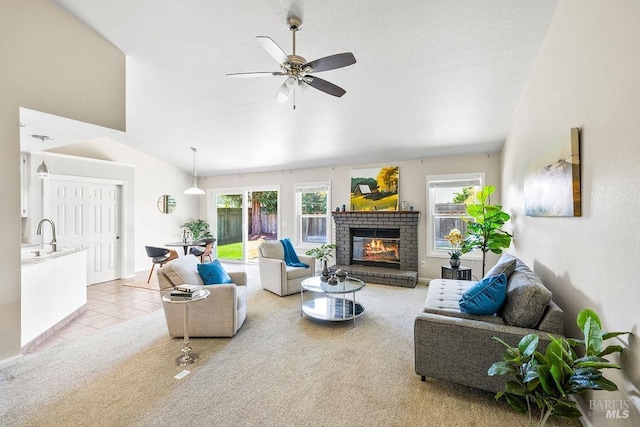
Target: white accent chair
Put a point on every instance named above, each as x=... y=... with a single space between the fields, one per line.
x=219 y=315
x=275 y=275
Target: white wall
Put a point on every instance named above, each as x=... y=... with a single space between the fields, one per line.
x=50 y=63
x=152 y=178
x=412 y=189
x=587 y=76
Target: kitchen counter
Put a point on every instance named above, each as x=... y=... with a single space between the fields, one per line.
x=30 y=258
x=53 y=292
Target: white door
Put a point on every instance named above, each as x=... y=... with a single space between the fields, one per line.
x=88 y=214
x=105 y=234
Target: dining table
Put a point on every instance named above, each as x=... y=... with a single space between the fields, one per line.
x=185 y=245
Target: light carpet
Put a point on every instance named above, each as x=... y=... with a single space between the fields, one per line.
x=280 y=369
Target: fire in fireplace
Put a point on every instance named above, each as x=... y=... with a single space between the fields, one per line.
x=375 y=247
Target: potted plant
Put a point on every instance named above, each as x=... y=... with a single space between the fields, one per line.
x=548 y=380
x=455 y=238
x=323 y=253
x=485 y=232
x=198 y=228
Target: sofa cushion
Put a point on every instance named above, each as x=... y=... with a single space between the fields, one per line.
x=526 y=300
x=444 y=296
x=213 y=273
x=506 y=264
x=272 y=249
x=183 y=270
x=486 y=296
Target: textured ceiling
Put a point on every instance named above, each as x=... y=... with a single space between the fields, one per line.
x=432 y=78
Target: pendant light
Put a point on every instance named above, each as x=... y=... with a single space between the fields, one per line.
x=43 y=170
x=194 y=189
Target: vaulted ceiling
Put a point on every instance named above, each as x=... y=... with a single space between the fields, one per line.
x=432 y=78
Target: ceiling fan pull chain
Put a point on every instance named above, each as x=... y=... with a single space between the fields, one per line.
x=294 y=98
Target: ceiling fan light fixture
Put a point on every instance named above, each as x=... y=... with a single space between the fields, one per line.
x=194 y=190
x=42 y=171
x=291 y=82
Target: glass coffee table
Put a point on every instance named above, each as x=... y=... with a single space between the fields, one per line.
x=332 y=304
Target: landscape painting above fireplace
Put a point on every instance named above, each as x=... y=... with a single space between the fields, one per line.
x=374 y=189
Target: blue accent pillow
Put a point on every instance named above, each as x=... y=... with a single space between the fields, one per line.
x=486 y=296
x=213 y=273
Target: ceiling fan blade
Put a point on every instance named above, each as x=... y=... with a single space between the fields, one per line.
x=325 y=86
x=256 y=74
x=332 y=62
x=273 y=49
x=284 y=93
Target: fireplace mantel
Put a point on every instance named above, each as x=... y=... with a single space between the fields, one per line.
x=405 y=221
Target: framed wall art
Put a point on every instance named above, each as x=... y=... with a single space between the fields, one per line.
x=552 y=184
x=374 y=189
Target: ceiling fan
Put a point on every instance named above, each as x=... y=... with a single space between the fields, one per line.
x=296 y=69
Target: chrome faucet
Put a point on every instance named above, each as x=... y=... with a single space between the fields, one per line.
x=53 y=243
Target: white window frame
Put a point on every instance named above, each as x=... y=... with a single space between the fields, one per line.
x=300 y=188
x=432 y=251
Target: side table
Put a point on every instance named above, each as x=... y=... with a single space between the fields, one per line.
x=187 y=357
x=460 y=273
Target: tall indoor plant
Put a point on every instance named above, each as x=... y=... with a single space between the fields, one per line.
x=548 y=380
x=485 y=232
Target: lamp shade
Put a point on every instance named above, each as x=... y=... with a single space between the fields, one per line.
x=194 y=190
x=42 y=171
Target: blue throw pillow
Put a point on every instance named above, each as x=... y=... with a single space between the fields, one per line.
x=212 y=273
x=486 y=296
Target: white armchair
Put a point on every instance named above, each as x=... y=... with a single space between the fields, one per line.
x=220 y=315
x=275 y=275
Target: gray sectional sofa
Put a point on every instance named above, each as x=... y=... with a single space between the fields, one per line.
x=458 y=347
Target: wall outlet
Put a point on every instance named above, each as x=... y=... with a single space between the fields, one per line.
x=423 y=263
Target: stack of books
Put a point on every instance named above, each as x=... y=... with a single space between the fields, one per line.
x=183 y=292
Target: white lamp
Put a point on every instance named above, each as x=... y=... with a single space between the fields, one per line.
x=194 y=189
x=43 y=170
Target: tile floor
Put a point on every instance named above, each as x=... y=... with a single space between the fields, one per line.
x=108 y=304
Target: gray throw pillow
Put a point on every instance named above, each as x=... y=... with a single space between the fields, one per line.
x=526 y=301
x=506 y=264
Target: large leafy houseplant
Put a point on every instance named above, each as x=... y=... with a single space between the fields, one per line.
x=198 y=228
x=485 y=232
x=547 y=380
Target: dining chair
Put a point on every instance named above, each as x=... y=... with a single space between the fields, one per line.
x=203 y=251
x=159 y=256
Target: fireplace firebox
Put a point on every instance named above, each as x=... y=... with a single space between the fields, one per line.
x=376 y=247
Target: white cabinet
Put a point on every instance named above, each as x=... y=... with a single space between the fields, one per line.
x=24 y=184
x=54 y=290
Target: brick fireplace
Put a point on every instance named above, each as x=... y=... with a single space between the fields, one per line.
x=388 y=240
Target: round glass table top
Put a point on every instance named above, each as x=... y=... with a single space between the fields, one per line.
x=316 y=284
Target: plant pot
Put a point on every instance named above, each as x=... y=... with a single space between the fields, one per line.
x=325 y=269
x=455 y=263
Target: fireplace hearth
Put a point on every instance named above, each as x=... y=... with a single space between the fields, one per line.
x=378 y=246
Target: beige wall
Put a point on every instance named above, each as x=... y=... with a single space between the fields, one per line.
x=412 y=189
x=587 y=76
x=50 y=63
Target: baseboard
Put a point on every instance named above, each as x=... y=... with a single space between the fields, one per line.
x=10 y=361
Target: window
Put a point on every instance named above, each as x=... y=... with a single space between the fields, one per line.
x=447 y=199
x=312 y=208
